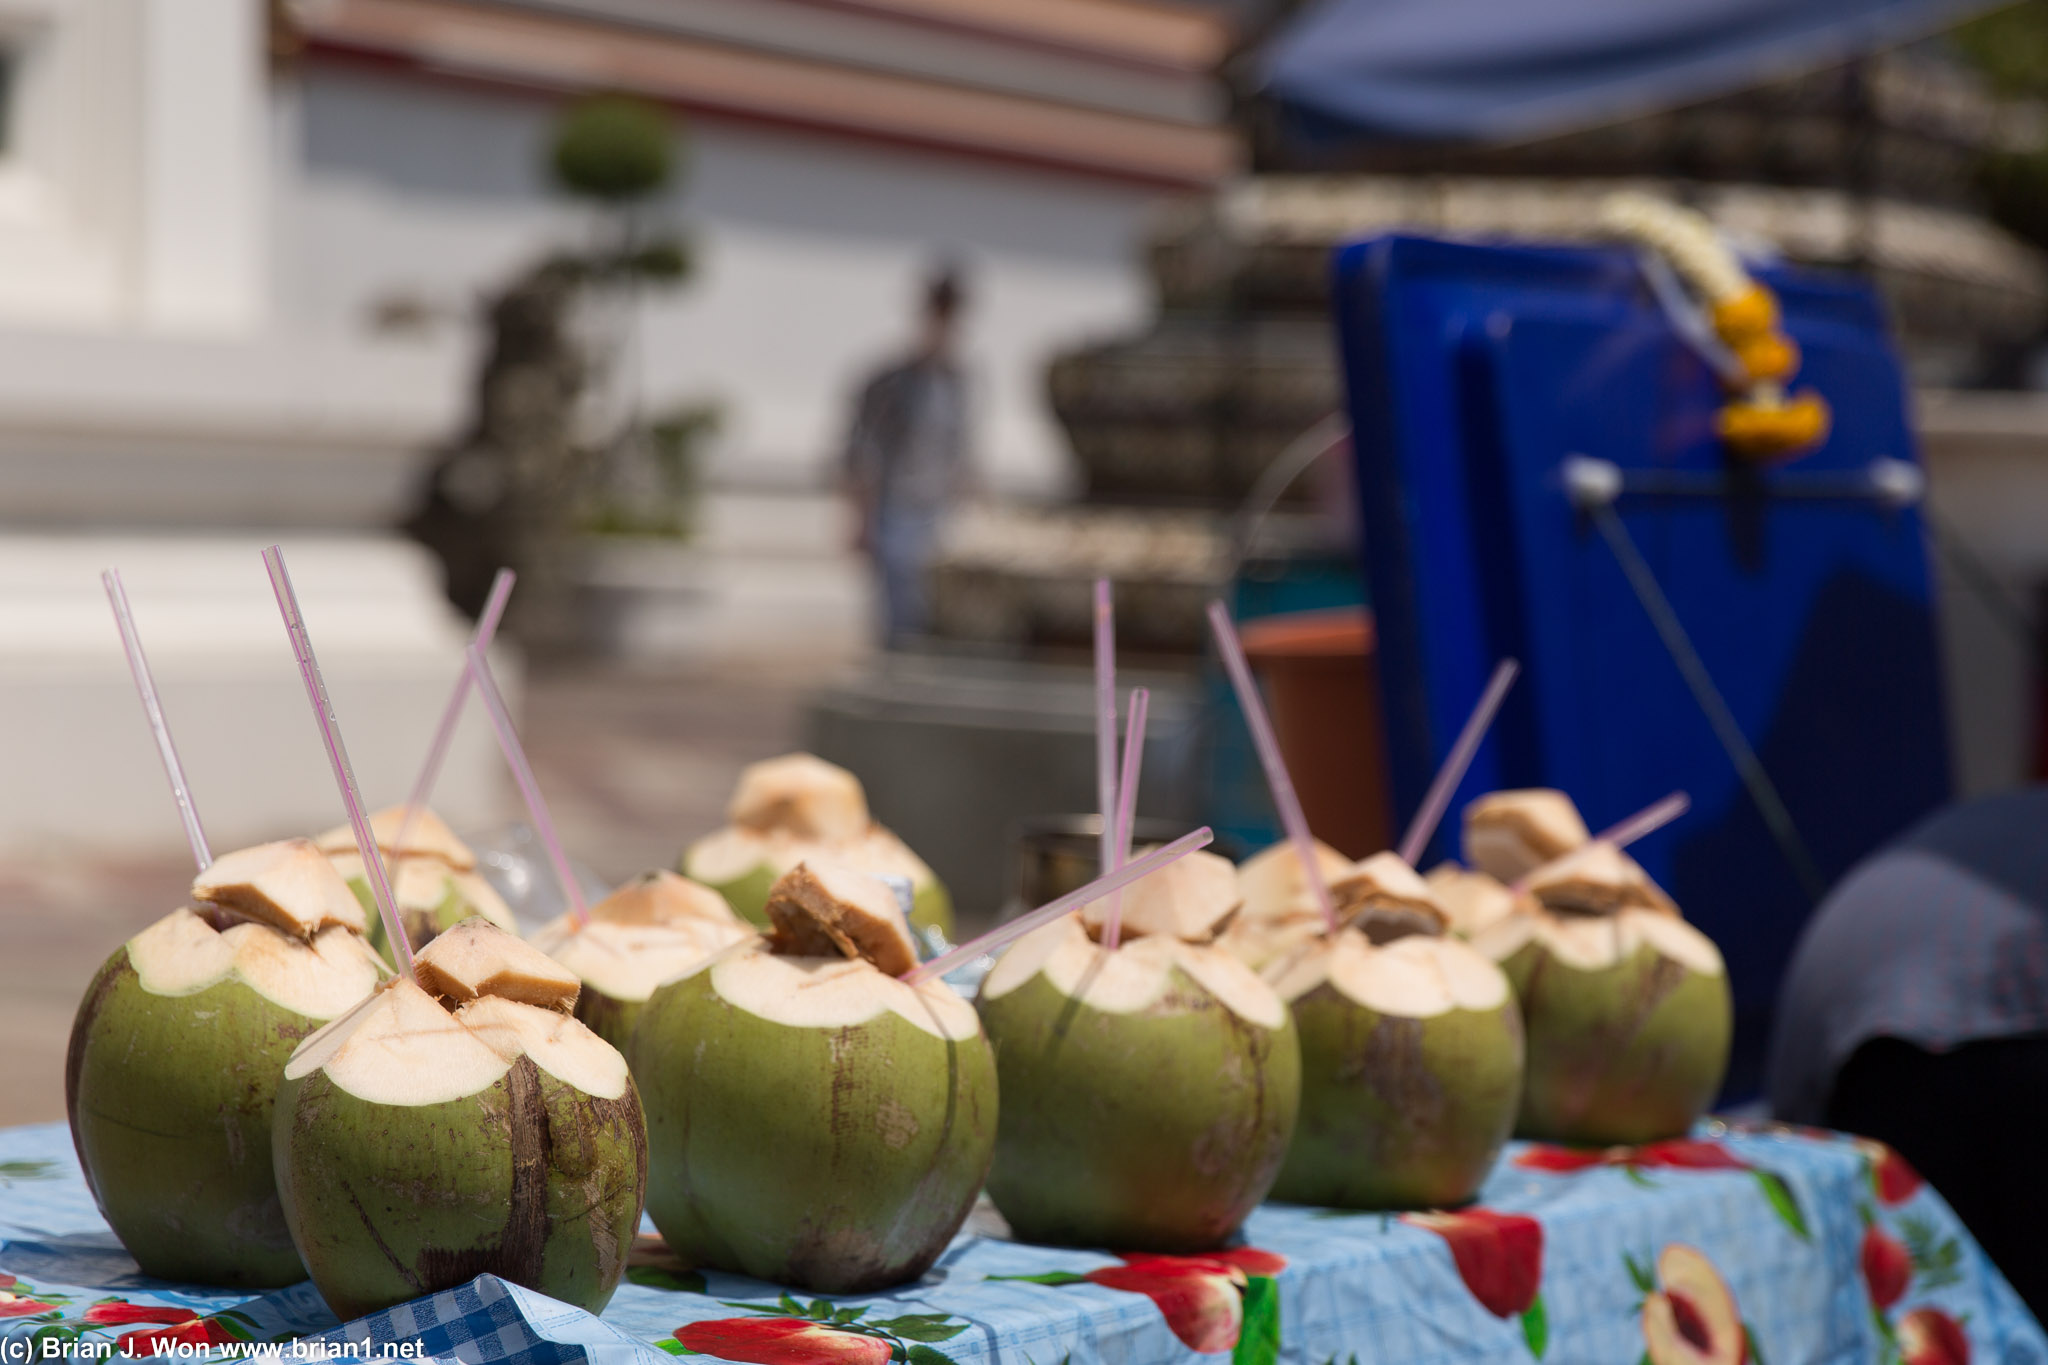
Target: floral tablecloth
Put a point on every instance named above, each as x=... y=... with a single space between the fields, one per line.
x=1768 y=1246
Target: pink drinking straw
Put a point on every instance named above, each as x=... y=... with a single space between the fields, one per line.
x=1649 y=819
x=145 y=685
x=437 y=752
x=1105 y=719
x=337 y=756
x=1126 y=807
x=1254 y=708
x=522 y=773
x=1431 y=811
x=1005 y=934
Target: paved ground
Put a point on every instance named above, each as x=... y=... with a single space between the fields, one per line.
x=633 y=765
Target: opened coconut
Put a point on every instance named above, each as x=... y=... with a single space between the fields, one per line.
x=1280 y=911
x=813 y=1120
x=433 y=877
x=1509 y=834
x=1149 y=1091
x=176 y=1054
x=1627 y=1006
x=799 y=808
x=1411 y=1052
x=653 y=929
x=458 y=1123
x=1472 y=901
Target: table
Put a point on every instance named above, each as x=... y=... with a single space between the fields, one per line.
x=1831 y=1249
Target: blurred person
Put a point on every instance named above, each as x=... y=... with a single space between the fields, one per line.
x=906 y=459
x=1915 y=1011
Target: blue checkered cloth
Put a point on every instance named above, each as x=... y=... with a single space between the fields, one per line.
x=1786 y=1218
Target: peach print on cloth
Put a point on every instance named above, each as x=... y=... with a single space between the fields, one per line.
x=1499 y=1256
x=1223 y=1301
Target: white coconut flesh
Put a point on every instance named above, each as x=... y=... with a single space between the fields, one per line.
x=731 y=853
x=663 y=898
x=1134 y=977
x=1592 y=943
x=476 y=958
x=1594 y=879
x=832 y=992
x=1472 y=901
x=1508 y=834
x=1383 y=898
x=288 y=884
x=419 y=885
x=803 y=795
x=182 y=954
x=819 y=907
x=429 y=837
x=1274 y=883
x=1418 y=977
x=629 y=961
x=1190 y=898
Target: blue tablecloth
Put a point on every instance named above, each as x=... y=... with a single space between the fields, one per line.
x=1832 y=1252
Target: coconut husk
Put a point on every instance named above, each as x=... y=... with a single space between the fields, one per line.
x=664 y=898
x=1383 y=899
x=476 y=958
x=1512 y=833
x=829 y=910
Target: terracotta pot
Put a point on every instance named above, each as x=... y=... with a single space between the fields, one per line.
x=1324 y=694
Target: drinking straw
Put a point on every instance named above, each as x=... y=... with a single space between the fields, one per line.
x=1431 y=811
x=522 y=773
x=1127 y=806
x=1649 y=819
x=1005 y=934
x=437 y=752
x=1105 y=719
x=1289 y=805
x=337 y=756
x=145 y=686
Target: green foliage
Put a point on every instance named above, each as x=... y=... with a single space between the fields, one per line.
x=2010 y=46
x=1536 y=1328
x=1258 y=1340
x=613 y=148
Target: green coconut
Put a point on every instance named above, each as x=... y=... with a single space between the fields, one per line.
x=1411 y=1053
x=1148 y=1092
x=176 y=1052
x=433 y=878
x=813 y=1120
x=459 y=1124
x=1627 y=1006
x=800 y=808
x=653 y=929
x=1280 y=911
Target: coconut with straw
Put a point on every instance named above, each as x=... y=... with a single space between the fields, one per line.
x=1149 y=1078
x=172 y=1074
x=459 y=1120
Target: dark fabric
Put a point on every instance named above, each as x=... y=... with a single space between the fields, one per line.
x=1939 y=940
x=1974 y=1121
x=1501 y=70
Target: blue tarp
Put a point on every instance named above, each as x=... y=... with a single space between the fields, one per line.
x=1509 y=70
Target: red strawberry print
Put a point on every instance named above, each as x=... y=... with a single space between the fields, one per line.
x=1892 y=1174
x=197 y=1332
x=1887 y=1268
x=1679 y=1154
x=21 y=1305
x=1498 y=1255
x=1201 y=1299
x=117 y=1311
x=1928 y=1336
x=781 y=1341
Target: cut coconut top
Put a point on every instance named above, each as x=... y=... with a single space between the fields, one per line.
x=1417 y=977
x=833 y=992
x=477 y=958
x=288 y=885
x=1188 y=899
x=1256 y=940
x=1135 y=976
x=1272 y=882
x=819 y=909
x=1383 y=898
x=182 y=954
x=560 y=1045
x=1471 y=900
x=420 y=885
x=628 y=961
x=1592 y=943
x=1594 y=879
x=430 y=837
x=803 y=794
x=1509 y=834
x=662 y=897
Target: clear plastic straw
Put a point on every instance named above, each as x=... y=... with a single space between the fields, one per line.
x=1648 y=820
x=522 y=773
x=145 y=685
x=451 y=714
x=1005 y=934
x=1105 y=719
x=337 y=756
x=1289 y=805
x=1431 y=811
x=1127 y=806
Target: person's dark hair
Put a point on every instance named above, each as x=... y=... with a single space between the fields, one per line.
x=943 y=293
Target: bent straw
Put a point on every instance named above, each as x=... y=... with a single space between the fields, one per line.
x=1105 y=719
x=1431 y=811
x=1127 y=806
x=1005 y=934
x=1648 y=820
x=522 y=773
x=1289 y=805
x=337 y=756
x=437 y=752
x=145 y=686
